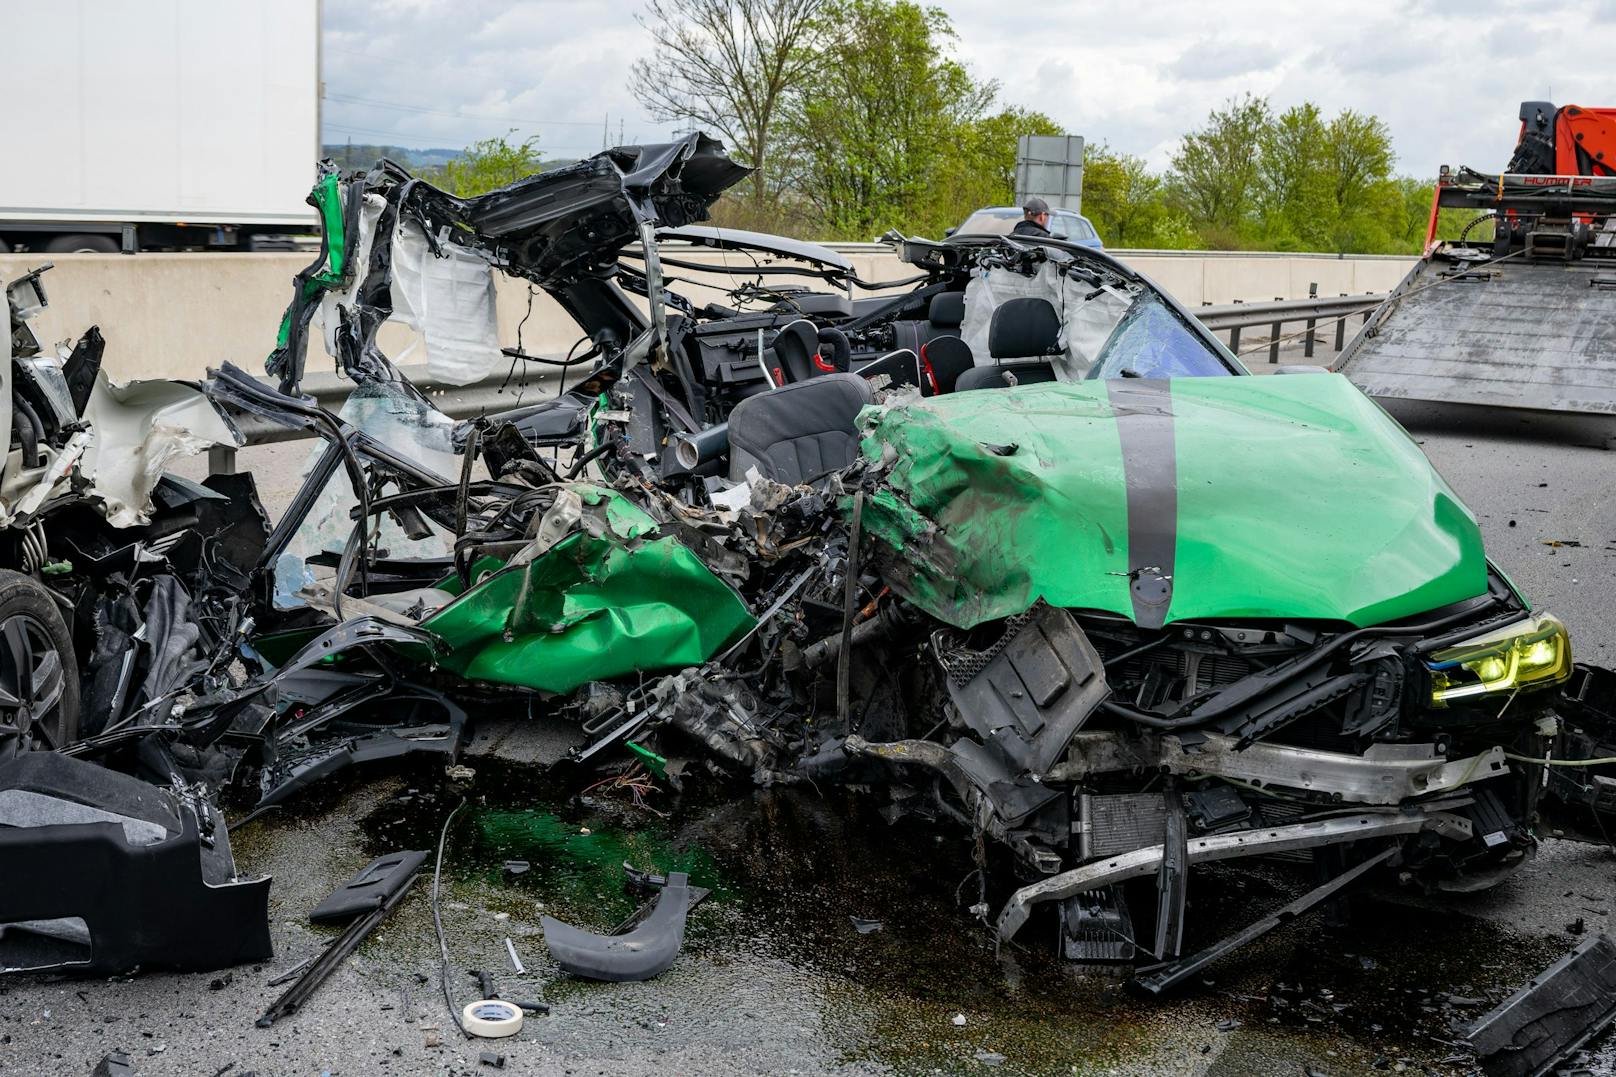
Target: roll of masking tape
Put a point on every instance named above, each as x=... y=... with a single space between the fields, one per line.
x=492 y=1018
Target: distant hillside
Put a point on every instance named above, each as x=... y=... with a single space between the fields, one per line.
x=351 y=156
x=363 y=155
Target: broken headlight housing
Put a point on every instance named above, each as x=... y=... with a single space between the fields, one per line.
x=1531 y=653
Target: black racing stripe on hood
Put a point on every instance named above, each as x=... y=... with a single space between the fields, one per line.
x=1144 y=413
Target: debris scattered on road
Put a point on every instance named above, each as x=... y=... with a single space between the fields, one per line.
x=641 y=953
x=491 y=1018
x=365 y=901
x=1546 y=1022
x=114 y=1064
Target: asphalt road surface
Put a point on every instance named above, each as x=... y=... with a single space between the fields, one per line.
x=775 y=978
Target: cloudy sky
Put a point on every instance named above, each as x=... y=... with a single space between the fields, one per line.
x=1447 y=77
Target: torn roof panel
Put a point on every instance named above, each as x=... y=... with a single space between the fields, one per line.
x=573 y=220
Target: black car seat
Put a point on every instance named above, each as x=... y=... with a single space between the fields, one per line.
x=796 y=347
x=835 y=351
x=799 y=432
x=945 y=314
x=1023 y=330
x=942 y=361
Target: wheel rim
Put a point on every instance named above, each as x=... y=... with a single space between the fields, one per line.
x=32 y=683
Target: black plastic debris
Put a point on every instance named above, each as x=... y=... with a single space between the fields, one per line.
x=640 y=954
x=121 y=873
x=367 y=891
x=115 y=1064
x=369 y=896
x=1552 y=1017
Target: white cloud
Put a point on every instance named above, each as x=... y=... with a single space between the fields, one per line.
x=1446 y=78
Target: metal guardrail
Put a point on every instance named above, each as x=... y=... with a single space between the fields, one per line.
x=500 y=392
x=1311 y=312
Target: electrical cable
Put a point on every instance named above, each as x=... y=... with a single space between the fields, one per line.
x=849 y=604
x=437 y=923
x=1550 y=761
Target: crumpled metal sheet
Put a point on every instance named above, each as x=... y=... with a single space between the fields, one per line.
x=611 y=599
x=140 y=430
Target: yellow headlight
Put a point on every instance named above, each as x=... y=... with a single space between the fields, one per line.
x=1531 y=653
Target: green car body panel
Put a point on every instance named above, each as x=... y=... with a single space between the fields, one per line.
x=610 y=599
x=1258 y=498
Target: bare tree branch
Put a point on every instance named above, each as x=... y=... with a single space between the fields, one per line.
x=727 y=66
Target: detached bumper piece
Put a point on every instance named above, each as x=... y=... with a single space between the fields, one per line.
x=1551 y=1018
x=646 y=951
x=121 y=874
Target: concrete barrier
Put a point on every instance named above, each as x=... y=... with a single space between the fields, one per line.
x=174 y=315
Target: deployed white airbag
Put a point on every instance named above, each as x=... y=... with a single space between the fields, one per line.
x=449 y=299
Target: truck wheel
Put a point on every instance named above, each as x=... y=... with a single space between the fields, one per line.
x=84 y=243
x=39 y=674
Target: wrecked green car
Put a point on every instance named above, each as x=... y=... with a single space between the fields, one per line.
x=1021 y=548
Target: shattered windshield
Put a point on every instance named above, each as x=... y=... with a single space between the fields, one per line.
x=1151 y=342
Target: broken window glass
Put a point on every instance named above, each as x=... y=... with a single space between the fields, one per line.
x=1151 y=342
x=399 y=419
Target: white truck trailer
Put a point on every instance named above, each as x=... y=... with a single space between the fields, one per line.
x=162 y=124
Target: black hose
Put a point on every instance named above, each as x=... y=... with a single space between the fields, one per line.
x=29 y=430
x=437 y=923
x=583 y=461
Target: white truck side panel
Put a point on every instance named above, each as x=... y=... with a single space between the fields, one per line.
x=198 y=111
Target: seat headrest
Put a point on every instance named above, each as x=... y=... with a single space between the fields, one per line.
x=794 y=346
x=1024 y=327
x=947 y=310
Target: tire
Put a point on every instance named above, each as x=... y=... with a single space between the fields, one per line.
x=39 y=673
x=82 y=243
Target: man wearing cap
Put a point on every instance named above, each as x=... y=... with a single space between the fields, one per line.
x=1035 y=219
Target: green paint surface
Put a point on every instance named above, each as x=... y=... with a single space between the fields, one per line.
x=1297 y=497
x=326 y=197
x=607 y=601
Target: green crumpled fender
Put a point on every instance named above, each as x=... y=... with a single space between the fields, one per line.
x=1286 y=497
x=610 y=599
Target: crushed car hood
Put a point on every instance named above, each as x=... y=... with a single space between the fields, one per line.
x=1164 y=501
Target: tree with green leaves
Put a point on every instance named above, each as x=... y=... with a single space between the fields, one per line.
x=490 y=163
x=1294 y=197
x=894 y=131
x=1125 y=201
x=726 y=67
x=870 y=130
x=1215 y=175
